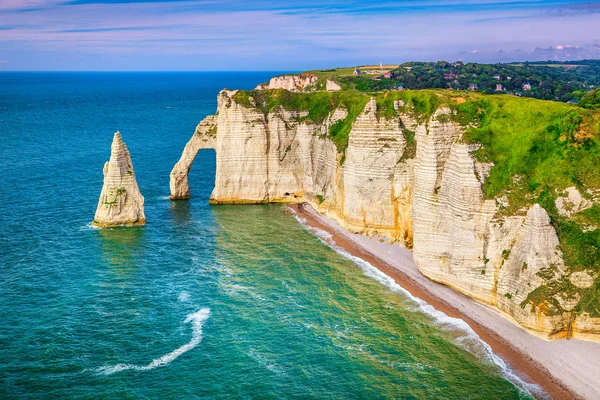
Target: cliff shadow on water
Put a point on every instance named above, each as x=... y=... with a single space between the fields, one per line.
x=122 y=246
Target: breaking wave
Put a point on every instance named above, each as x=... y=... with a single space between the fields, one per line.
x=197 y=319
x=467 y=338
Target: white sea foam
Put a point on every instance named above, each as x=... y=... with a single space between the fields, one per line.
x=197 y=319
x=265 y=363
x=234 y=289
x=320 y=233
x=467 y=338
x=89 y=226
x=183 y=296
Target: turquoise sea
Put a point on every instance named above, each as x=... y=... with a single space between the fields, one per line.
x=228 y=302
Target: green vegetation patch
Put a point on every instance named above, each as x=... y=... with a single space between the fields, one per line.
x=567 y=81
x=536 y=146
x=419 y=104
x=318 y=105
x=591 y=100
x=538 y=149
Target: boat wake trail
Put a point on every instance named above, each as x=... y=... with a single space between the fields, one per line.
x=197 y=319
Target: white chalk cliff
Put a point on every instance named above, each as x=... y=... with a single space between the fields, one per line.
x=121 y=202
x=204 y=137
x=293 y=83
x=416 y=182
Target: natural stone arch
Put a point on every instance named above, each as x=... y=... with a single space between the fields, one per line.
x=204 y=138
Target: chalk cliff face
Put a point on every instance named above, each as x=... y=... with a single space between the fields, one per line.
x=204 y=137
x=293 y=83
x=332 y=86
x=121 y=202
x=415 y=181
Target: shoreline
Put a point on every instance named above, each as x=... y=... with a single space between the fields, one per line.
x=563 y=369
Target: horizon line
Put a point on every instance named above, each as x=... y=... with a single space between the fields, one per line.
x=304 y=70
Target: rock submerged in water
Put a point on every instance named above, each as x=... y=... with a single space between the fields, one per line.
x=121 y=202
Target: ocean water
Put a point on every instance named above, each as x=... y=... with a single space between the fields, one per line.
x=204 y=301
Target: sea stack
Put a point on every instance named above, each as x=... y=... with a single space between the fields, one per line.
x=121 y=202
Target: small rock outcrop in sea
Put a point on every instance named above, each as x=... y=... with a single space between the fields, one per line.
x=121 y=202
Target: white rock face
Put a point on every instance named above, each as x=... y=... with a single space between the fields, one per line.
x=293 y=83
x=572 y=203
x=204 y=137
x=332 y=86
x=121 y=202
x=429 y=198
x=582 y=279
x=370 y=203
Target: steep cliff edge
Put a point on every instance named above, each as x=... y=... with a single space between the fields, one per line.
x=476 y=185
x=121 y=202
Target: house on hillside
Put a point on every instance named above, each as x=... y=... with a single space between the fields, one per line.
x=357 y=72
x=497 y=77
x=473 y=86
x=526 y=86
x=387 y=75
x=400 y=87
x=450 y=76
x=499 y=87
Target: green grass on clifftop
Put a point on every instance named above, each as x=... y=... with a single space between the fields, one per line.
x=318 y=105
x=539 y=148
x=591 y=100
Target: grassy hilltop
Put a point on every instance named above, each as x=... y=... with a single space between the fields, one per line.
x=539 y=148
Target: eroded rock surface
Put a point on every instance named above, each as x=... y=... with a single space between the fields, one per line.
x=332 y=86
x=293 y=83
x=572 y=202
x=121 y=202
x=204 y=137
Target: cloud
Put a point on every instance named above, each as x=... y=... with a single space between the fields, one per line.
x=260 y=34
x=554 y=52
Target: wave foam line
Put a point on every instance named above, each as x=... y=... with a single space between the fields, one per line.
x=197 y=319
x=469 y=339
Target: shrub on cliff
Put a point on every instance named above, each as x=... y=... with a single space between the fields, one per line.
x=591 y=100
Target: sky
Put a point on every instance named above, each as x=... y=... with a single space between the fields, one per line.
x=291 y=35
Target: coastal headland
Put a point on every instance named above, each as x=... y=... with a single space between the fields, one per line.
x=490 y=199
